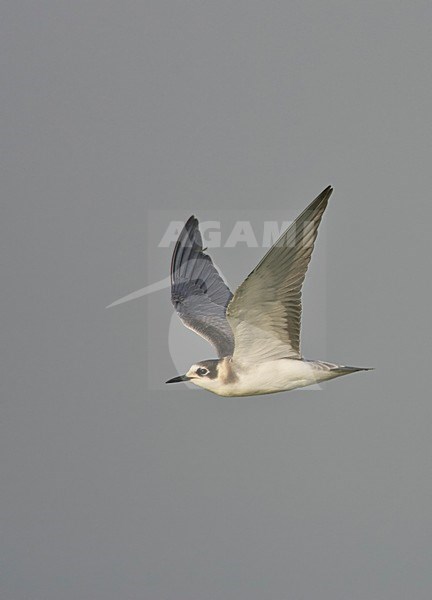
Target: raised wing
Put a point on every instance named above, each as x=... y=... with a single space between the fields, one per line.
x=198 y=292
x=265 y=312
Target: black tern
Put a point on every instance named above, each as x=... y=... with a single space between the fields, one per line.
x=256 y=331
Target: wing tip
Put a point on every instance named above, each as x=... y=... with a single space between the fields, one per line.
x=191 y=222
x=327 y=192
x=319 y=204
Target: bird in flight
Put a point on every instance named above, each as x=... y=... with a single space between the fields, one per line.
x=256 y=331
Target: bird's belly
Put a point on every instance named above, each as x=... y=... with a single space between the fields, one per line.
x=275 y=376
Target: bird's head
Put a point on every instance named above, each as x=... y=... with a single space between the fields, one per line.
x=204 y=374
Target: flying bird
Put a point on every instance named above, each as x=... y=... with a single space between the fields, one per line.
x=256 y=331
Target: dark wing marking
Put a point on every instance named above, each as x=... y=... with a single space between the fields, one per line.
x=198 y=292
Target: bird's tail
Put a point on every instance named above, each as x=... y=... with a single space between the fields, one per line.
x=342 y=370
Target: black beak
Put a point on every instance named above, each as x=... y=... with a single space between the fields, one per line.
x=178 y=379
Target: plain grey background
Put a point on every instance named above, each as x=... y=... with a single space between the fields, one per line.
x=110 y=491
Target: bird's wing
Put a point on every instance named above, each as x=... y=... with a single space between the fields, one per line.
x=198 y=292
x=265 y=312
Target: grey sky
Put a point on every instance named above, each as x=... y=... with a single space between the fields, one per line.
x=111 y=490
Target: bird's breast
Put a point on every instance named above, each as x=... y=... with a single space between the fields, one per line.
x=264 y=378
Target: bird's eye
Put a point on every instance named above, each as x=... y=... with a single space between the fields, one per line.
x=201 y=371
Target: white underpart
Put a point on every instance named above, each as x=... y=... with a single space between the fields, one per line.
x=269 y=377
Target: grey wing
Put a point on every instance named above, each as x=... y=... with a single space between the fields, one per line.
x=198 y=292
x=265 y=312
